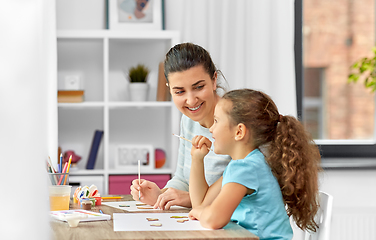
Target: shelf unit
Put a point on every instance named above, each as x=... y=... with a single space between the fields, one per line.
x=101 y=59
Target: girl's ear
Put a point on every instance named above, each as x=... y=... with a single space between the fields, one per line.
x=240 y=131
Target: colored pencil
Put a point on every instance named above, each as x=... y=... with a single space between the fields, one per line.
x=52 y=177
x=61 y=163
x=118 y=197
x=49 y=162
x=69 y=163
x=139 y=179
x=61 y=177
x=187 y=140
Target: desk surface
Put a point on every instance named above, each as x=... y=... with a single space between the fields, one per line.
x=104 y=229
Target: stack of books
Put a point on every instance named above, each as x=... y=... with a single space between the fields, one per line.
x=70 y=96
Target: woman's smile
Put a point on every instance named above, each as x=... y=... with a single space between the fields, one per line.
x=195 y=109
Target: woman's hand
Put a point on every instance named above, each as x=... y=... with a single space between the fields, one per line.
x=173 y=197
x=200 y=147
x=149 y=191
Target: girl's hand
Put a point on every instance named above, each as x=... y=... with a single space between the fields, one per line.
x=195 y=213
x=200 y=147
x=149 y=191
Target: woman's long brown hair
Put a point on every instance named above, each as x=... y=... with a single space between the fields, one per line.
x=290 y=151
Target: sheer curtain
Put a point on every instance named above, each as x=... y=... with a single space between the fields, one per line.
x=251 y=42
x=28 y=123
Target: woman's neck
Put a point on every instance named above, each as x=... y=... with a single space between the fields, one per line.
x=208 y=121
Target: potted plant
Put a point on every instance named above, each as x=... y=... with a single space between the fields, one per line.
x=365 y=68
x=138 y=82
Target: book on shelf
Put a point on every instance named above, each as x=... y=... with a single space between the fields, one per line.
x=163 y=93
x=94 y=149
x=70 y=96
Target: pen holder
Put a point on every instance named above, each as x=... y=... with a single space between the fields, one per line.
x=59 y=178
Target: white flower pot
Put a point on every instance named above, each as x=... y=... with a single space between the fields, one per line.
x=138 y=91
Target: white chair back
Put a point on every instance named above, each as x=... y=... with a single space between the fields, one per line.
x=323 y=218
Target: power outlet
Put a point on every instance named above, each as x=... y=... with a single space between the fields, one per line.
x=72 y=82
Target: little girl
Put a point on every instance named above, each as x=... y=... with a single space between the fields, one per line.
x=275 y=163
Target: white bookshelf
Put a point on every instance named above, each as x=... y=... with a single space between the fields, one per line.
x=101 y=58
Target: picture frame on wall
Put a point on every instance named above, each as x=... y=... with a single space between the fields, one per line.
x=135 y=14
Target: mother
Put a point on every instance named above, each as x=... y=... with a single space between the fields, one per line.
x=192 y=78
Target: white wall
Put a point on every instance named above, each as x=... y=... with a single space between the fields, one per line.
x=28 y=132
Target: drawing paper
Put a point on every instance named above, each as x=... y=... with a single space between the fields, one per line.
x=91 y=216
x=138 y=222
x=133 y=208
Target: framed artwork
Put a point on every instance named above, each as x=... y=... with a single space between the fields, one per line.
x=135 y=14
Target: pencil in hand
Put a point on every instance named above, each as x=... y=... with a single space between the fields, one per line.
x=139 y=180
x=187 y=140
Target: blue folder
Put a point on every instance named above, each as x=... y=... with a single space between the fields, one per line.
x=94 y=149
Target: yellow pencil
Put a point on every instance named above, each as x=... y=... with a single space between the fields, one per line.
x=69 y=163
x=118 y=197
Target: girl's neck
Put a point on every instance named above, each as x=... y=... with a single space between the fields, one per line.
x=240 y=151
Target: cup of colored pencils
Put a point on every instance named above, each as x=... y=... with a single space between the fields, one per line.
x=59 y=175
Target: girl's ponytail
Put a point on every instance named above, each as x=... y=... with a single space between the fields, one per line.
x=295 y=161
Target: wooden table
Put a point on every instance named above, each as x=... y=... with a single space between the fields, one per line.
x=104 y=229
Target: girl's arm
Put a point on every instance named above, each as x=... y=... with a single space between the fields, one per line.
x=197 y=183
x=200 y=193
x=218 y=214
x=198 y=187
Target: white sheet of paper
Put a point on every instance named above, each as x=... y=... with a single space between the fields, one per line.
x=132 y=206
x=138 y=222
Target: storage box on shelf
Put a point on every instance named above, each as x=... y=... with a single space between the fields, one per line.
x=100 y=60
x=120 y=184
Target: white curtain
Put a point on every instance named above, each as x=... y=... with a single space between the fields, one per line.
x=28 y=110
x=251 y=42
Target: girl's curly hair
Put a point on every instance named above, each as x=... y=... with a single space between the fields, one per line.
x=291 y=153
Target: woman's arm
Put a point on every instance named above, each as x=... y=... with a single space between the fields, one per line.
x=218 y=214
x=178 y=181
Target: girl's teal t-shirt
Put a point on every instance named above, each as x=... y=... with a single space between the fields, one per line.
x=263 y=212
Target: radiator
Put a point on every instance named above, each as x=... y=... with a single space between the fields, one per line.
x=348 y=224
x=353 y=226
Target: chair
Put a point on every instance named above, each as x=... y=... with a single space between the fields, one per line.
x=323 y=218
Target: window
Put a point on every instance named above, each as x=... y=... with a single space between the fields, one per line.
x=313 y=109
x=329 y=37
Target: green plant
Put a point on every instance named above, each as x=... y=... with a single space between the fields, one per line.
x=364 y=68
x=138 y=73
